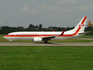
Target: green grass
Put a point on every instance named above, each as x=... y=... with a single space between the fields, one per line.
x=46 y=58
x=71 y=41
x=86 y=36
x=2 y=35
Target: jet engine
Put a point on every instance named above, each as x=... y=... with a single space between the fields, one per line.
x=37 y=39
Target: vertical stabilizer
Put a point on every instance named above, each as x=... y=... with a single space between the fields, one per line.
x=81 y=25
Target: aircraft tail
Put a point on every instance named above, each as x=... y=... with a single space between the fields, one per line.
x=80 y=26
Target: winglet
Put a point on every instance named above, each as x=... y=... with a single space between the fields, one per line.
x=62 y=32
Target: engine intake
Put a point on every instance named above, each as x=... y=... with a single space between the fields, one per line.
x=37 y=39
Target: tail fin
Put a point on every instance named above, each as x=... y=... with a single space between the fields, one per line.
x=81 y=25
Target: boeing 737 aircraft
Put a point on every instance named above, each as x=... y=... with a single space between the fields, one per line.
x=46 y=36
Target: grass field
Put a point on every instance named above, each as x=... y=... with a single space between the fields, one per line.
x=46 y=58
x=86 y=36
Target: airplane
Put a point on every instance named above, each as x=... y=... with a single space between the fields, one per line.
x=46 y=36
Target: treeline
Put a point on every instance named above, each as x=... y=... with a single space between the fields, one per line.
x=31 y=27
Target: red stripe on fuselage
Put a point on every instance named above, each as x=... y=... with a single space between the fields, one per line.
x=39 y=35
x=42 y=35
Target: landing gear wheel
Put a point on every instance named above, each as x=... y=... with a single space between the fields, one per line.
x=11 y=41
x=45 y=41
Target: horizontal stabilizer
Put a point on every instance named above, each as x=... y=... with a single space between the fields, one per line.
x=87 y=32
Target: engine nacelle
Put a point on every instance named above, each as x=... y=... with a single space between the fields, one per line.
x=37 y=39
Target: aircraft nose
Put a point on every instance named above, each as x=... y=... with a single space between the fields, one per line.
x=5 y=36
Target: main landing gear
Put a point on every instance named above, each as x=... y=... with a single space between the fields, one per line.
x=11 y=41
x=46 y=41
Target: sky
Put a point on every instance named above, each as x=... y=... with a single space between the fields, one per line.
x=59 y=13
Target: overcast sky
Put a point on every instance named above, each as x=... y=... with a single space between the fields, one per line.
x=60 y=13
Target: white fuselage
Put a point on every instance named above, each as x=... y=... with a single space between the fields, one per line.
x=32 y=35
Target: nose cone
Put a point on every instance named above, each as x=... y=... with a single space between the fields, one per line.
x=6 y=36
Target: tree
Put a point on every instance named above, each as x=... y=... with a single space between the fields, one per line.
x=5 y=29
x=31 y=26
x=40 y=26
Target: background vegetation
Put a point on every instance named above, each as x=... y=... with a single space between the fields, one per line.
x=31 y=27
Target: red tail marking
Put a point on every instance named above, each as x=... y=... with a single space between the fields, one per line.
x=84 y=20
x=81 y=25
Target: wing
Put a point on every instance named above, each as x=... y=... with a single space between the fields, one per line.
x=51 y=37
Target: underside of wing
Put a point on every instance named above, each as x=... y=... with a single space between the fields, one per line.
x=48 y=38
x=51 y=37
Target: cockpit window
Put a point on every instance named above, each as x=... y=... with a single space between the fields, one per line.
x=9 y=34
